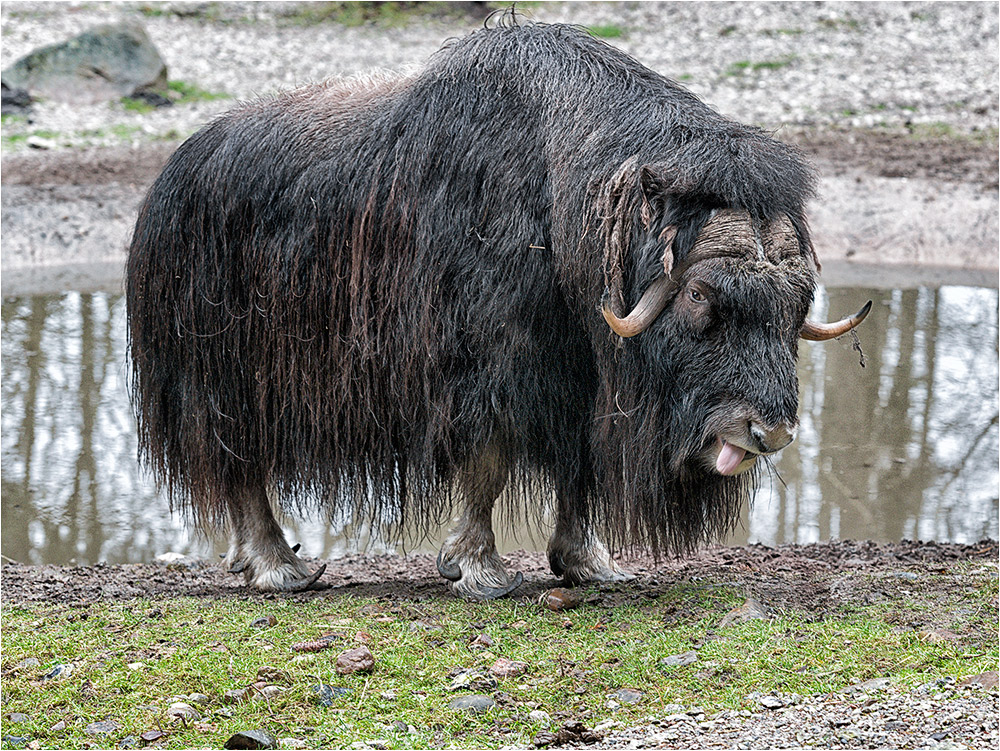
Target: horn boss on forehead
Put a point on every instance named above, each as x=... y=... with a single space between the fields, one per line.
x=728 y=233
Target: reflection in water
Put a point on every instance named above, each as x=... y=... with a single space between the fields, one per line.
x=904 y=448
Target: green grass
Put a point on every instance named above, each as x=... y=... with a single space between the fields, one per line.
x=188 y=92
x=606 y=31
x=741 y=67
x=362 y=13
x=131 y=660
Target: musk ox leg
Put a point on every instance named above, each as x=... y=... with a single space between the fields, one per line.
x=469 y=556
x=575 y=553
x=257 y=546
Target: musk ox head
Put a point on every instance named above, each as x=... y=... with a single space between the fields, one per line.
x=706 y=383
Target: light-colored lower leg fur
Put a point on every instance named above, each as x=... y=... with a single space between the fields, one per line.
x=576 y=553
x=469 y=556
x=257 y=546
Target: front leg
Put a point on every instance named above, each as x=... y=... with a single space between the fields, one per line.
x=257 y=546
x=575 y=553
x=469 y=558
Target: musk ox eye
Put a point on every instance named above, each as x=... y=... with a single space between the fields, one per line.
x=697 y=296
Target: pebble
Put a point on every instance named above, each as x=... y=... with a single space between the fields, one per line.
x=357 y=660
x=538 y=715
x=18 y=717
x=475 y=703
x=504 y=668
x=627 y=696
x=265 y=621
x=251 y=739
x=684 y=658
x=559 y=599
x=324 y=695
x=59 y=671
x=101 y=727
x=750 y=610
x=183 y=711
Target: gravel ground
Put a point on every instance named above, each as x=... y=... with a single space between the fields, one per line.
x=895 y=65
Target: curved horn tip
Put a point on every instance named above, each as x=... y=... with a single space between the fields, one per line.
x=821 y=332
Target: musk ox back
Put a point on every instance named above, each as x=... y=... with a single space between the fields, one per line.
x=380 y=296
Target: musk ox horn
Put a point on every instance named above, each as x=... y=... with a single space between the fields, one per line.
x=821 y=332
x=652 y=303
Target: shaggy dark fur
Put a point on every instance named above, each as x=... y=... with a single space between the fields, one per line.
x=348 y=291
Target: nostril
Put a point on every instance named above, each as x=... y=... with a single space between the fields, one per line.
x=772 y=439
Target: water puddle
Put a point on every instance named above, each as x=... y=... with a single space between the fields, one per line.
x=906 y=447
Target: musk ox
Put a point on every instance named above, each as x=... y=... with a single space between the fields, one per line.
x=382 y=295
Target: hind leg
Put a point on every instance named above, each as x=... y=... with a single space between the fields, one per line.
x=575 y=553
x=469 y=557
x=257 y=546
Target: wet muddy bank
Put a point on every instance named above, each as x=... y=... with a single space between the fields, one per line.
x=887 y=203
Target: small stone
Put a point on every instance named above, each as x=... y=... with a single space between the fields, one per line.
x=476 y=703
x=482 y=641
x=938 y=636
x=684 y=658
x=269 y=674
x=316 y=645
x=538 y=715
x=268 y=693
x=152 y=735
x=473 y=679
x=59 y=671
x=543 y=739
x=235 y=696
x=357 y=660
x=751 y=610
x=875 y=684
x=771 y=702
x=14 y=741
x=265 y=621
x=199 y=698
x=183 y=711
x=18 y=717
x=504 y=668
x=102 y=727
x=252 y=739
x=559 y=599
x=129 y=741
x=627 y=696
x=58 y=727
x=324 y=695
x=985 y=680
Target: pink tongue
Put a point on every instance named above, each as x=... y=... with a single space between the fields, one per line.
x=729 y=459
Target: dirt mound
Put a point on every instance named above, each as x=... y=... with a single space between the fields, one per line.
x=813 y=578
